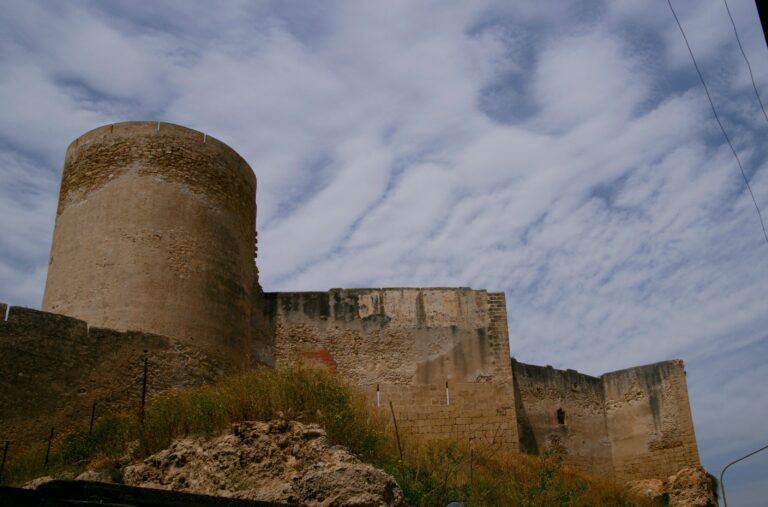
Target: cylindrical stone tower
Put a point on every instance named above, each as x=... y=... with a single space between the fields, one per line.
x=155 y=232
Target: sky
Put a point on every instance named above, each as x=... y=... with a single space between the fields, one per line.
x=562 y=152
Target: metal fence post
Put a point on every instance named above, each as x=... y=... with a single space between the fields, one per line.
x=144 y=387
x=397 y=436
x=48 y=451
x=93 y=414
x=2 y=463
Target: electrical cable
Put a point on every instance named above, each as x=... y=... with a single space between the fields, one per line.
x=749 y=67
x=714 y=112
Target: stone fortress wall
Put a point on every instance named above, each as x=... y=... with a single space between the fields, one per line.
x=440 y=355
x=562 y=409
x=649 y=420
x=627 y=424
x=54 y=367
x=398 y=345
x=155 y=232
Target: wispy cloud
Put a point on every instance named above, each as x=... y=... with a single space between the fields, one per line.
x=562 y=153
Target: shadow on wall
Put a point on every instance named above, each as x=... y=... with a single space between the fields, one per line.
x=634 y=423
x=55 y=367
x=528 y=443
x=397 y=335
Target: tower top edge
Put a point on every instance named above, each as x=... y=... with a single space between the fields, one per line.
x=166 y=130
x=139 y=126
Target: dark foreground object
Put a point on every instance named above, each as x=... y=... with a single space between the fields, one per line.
x=85 y=493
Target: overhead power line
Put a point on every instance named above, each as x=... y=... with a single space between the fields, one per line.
x=714 y=112
x=749 y=67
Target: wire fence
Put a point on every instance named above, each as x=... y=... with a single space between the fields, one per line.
x=52 y=434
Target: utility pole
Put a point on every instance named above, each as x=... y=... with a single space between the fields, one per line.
x=762 y=12
x=722 y=474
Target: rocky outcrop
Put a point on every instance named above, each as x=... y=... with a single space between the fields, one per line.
x=690 y=487
x=278 y=461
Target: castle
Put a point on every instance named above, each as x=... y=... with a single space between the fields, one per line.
x=153 y=256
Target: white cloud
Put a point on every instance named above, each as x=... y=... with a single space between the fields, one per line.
x=565 y=155
x=580 y=78
x=27 y=209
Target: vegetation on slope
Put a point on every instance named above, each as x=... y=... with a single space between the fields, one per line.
x=432 y=473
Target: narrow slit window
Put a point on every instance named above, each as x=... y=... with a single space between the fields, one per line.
x=560 y=416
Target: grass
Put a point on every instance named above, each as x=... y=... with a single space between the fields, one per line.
x=307 y=395
x=433 y=473
x=443 y=471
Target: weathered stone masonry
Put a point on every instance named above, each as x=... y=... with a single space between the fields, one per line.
x=54 y=367
x=562 y=410
x=649 y=420
x=628 y=424
x=409 y=343
x=155 y=232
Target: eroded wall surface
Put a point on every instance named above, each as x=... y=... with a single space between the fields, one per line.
x=628 y=424
x=53 y=367
x=396 y=336
x=408 y=343
x=564 y=411
x=649 y=420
